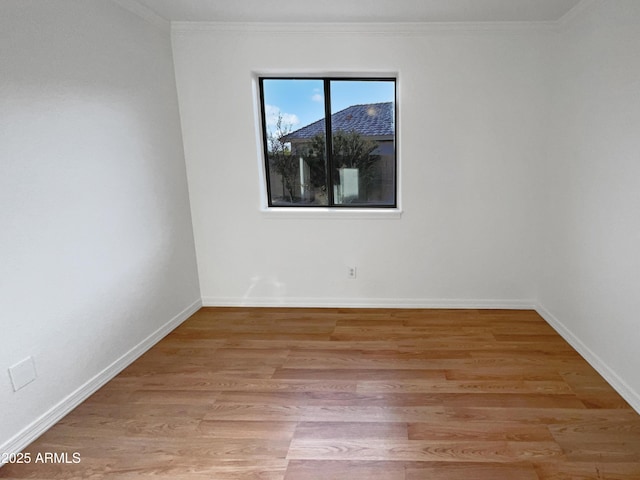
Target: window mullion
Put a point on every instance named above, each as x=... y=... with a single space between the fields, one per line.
x=328 y=140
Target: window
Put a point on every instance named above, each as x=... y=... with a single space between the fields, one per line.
x=354 y=166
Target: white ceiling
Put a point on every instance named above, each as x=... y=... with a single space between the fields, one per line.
x=283 y=11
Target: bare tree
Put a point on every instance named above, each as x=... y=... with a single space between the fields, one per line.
x=281 y=160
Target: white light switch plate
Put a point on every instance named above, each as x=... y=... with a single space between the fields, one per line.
x=22 y=373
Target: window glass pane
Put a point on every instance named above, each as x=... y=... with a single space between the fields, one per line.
x=363 y=142
x=295 y=146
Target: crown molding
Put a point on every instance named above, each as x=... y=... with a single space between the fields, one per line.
x=578 y=10
x=391 y=28
x=145 y=14
x=377 y=28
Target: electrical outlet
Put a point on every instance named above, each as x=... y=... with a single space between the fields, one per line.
x=351 y=273
x=22 y=373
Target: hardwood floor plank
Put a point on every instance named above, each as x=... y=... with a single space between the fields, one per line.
x=505 y=400
x=488 y=431
x=135 y=411
x=214 y=382
x=505 y=372
x=337 y=399
x=553 y=346
x=589 y=470
x=341 y=470
x=245 y=429
x=364 y=334
x=315 y=413
x=608 y=430
x=173 y=397
x=351 y=374
x=421 y=450
x=470 y=471
x=547 y=416
x=305 y=345
x=138 y=452
x=101 y=426
x=455 y=386
x=353 y=430
x=592 y=389
x=95 y=469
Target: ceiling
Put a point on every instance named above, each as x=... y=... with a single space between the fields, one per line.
x=290 y=11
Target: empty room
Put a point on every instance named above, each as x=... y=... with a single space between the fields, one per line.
x=304 y=240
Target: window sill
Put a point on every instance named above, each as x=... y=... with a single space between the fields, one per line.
x=331 y=213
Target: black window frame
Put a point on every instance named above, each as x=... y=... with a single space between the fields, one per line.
x=328 y=141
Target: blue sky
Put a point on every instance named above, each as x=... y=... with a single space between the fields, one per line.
x=301 y=101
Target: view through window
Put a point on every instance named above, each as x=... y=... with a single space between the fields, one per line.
x=355 y=166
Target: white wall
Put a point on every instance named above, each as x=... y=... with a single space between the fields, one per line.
x=96 y=245
x=472 y=111
x=590 y=278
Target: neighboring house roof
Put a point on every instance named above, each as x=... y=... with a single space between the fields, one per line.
x=370 y=120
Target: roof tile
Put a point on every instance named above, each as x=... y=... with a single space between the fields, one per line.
x=371 y=120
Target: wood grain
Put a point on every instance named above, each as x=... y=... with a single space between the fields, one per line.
x=310 y=394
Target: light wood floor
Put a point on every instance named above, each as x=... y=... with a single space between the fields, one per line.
x=322 y=394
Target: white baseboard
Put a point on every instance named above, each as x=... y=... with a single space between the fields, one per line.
x=23 y=438
x=628 y=393
x=523 y=304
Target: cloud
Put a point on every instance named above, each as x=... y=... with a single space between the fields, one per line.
x=271 y=113
x=316 y=97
